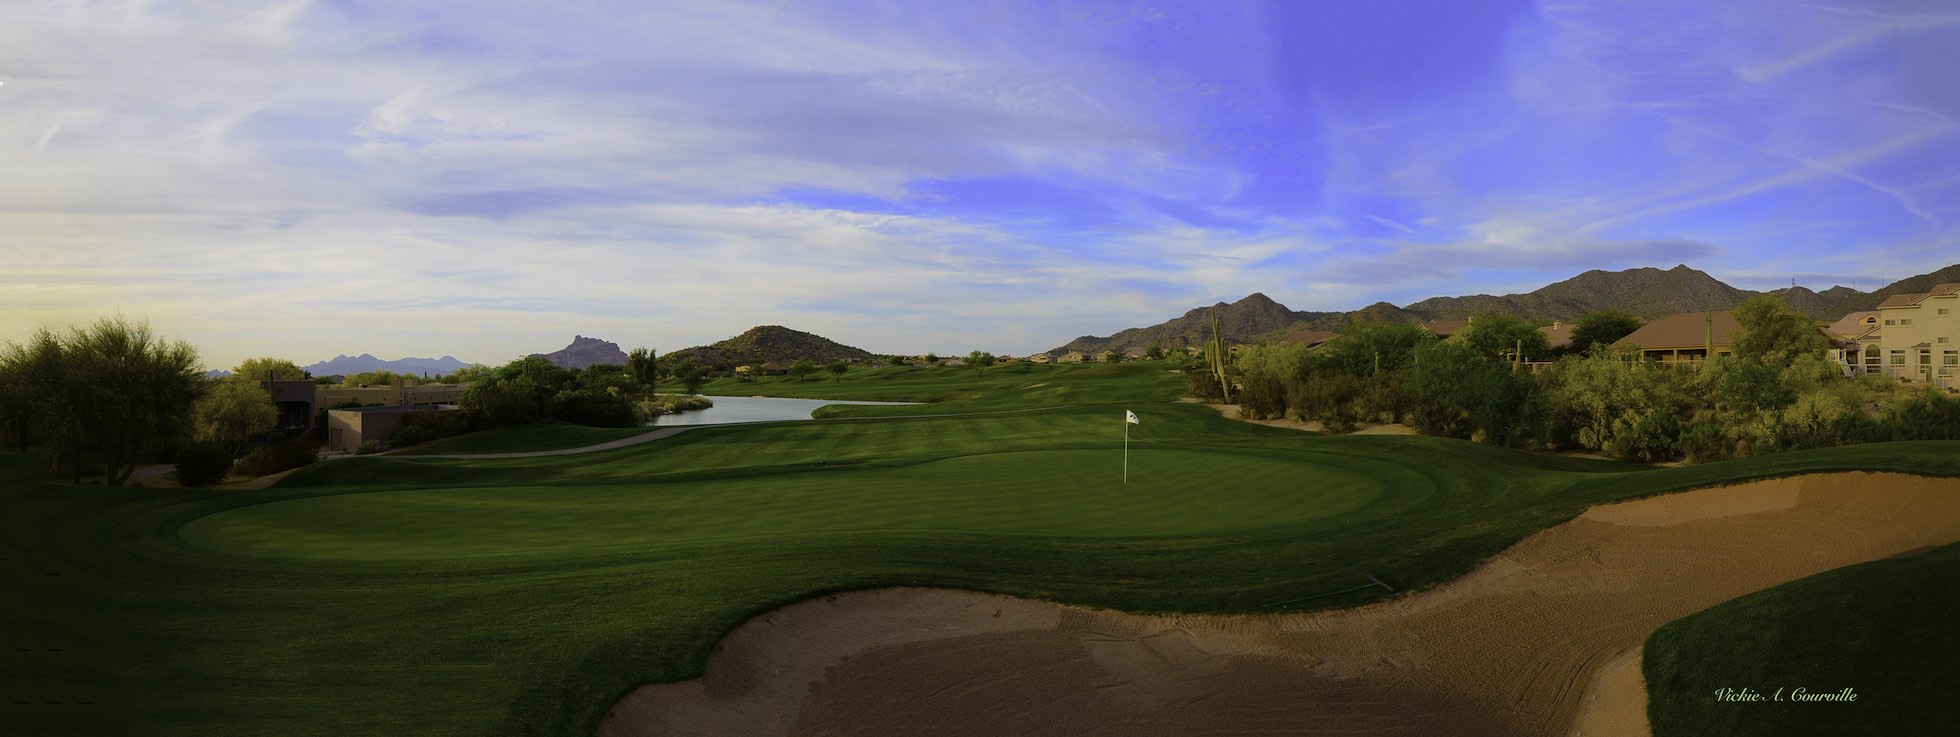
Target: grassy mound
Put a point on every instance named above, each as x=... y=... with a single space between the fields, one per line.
x=1883 y=629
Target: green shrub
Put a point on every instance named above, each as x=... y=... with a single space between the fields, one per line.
x=202 y=464
x=596 y=408
x=276 y=456
x=369 y=447
x=409 y=435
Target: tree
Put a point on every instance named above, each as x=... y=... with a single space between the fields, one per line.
x=691 y=377
x=1367 y=348
x=1602 y=327
x=802 y=367
x=933 y=359
x=265 y=369
x=980 y=359
x=524 y=390
x=642 y=366
x=1154 y=352
x=114 y=385
x=1497 y=336
x=1775 y=335
x=839 y=367
x=233 y=412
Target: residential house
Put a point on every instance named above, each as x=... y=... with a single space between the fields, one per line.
x=1308 y=338
x=1919 y=336
x=1857 y=334
x=1445 y=328
x=1557 y=335
x=402 y=392
x=1073 y=357
x=348 y=428
x=295 y=400
x=1136 y=354
x=773 y=369
x=1041 y=358
x=1689 y=337
x=1004 y=358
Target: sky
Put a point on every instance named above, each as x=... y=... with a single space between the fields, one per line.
x=485 y=179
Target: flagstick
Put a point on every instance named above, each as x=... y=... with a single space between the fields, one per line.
x=1126 y=450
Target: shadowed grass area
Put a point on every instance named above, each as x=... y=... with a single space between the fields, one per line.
x=549 y=435
x=1884 y=629
x=405 y=595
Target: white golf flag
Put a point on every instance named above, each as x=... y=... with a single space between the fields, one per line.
x=1130 y=417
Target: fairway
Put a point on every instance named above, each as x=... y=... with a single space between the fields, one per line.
x=1072 y=493
x=414 y=595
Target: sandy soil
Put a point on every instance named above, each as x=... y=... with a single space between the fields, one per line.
x=1539 y=640
x=1231 y=412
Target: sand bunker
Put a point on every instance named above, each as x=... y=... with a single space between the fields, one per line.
x=1540 y=640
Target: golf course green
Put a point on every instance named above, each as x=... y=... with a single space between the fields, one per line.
x=398 y=594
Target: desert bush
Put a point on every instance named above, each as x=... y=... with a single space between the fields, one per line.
x=276 y=456
x=408 y=435
x=595 y=408
x=370 y=447
x=202 y=464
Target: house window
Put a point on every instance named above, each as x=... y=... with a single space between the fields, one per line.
x=1898 y=357
x=1942 y=339
x=1942 y=310
x=1950 y=358
x=1904 y=322
x=1891 y=322
x=1925 y=358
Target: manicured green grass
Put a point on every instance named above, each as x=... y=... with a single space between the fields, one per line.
x=550 y=435
x=414 y=595
x=964 y=389
x=1884 y=629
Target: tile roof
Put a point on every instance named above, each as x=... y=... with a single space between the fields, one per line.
x=1309 y=337
x=1558 y=335
x=1445 y=328
x=1686 y=330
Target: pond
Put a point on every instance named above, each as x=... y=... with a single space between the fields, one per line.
x=751 y=409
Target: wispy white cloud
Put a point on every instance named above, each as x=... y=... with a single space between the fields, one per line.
x=489 y=178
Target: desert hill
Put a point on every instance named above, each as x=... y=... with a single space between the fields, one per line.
x=585 y=352
x=763 y=344
x=1647 y=292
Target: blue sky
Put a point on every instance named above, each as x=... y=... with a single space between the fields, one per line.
x=486 y=179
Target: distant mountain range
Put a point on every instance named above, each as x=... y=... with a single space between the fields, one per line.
x=1647 y=292
x=763 y=344
x=585 y=352
x=343 y=365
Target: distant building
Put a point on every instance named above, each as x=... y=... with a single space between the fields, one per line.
x=1041 y=358
x=1073 y=357
x=1135 y=354
x=1557 y=335
x=348 y=428
x=402 y=392
x=1690 y=337
x=1308 y=338
x=773 y=369
x=1919 y=336
x=1004 y=358
x=1858 y=333
x=1445 y=328
x=295 y=399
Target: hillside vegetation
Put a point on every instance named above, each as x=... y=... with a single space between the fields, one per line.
x=764 y=344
